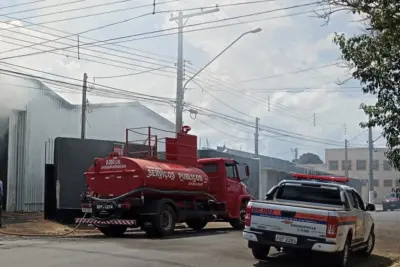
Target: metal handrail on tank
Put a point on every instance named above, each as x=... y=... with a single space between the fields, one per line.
x=152 y=142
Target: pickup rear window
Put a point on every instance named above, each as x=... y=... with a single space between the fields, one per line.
x=311 y=194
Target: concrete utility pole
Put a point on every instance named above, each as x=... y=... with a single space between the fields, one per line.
x=371 y=170
x=179 y=78
x=346 y=164
x=84 y=102
x=296 y=155
x=256 y=135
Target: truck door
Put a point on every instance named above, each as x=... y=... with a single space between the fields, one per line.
x=233 y=188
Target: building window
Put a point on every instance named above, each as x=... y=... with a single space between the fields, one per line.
x=388 y=183
x=375 y=183
x=348 y=165
x=375 y=164
x=386 y=166
x=333 y=165
x=361 y=165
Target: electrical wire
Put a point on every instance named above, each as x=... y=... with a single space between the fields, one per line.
x=83 y=32
x=152 y=69
x=107 y=48
x=222 y=102
x=45 y=7
x=203 y=111
x=116 y=44
x=21 y=4
x=163 y=30
x=289 y=73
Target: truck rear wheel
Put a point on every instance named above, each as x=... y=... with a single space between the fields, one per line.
x=163 y=224
x=113 y=230
x=196 y=224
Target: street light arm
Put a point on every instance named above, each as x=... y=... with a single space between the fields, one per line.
x=220 y=53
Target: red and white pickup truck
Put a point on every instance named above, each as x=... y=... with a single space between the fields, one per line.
x=318 y=215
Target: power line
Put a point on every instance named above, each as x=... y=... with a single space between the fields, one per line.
x=99 y=62
x=44 y=7
x=163 y=30
x=107 y=48
x=83 y=32
x=289 y=73
x=108 y=89
x=21 y=4
x=116 y=44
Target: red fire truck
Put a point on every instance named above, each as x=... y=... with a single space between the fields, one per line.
x=153 y=194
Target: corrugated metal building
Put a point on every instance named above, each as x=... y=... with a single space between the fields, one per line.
x=46 y=116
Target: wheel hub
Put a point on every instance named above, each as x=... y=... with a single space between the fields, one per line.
x=166 y=220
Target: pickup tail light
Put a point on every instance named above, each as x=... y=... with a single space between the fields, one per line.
x=247 y=217
x=332 y=227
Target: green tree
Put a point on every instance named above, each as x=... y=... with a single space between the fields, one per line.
x=309 y=158
x=373 y=56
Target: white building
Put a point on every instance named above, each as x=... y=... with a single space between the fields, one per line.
x=45 y=115
x=358 y=167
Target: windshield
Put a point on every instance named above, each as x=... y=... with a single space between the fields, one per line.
x=310 y=193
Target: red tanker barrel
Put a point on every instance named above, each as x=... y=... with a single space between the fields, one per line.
x=118 y=175
x=169 y=176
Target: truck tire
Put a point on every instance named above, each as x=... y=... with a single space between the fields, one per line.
x=260 y=252
x=238 y=223
x=341 y=258
x=113 y=230
x=163 y=224
x=366 y=252
x=196 y=224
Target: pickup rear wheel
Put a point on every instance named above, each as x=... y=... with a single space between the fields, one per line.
x=260 y=252
x=342 y=257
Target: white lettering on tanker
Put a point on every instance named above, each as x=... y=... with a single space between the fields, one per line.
x=160 y=174
x=113 y=164
x=192 y=179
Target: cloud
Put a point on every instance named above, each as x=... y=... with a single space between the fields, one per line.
x=308 y=104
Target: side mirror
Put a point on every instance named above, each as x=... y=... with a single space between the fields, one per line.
x=247 y=170
x=370 y=207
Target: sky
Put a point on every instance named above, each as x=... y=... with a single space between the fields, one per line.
x=285 y=75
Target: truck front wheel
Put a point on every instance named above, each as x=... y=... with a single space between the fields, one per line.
x=196 y=224
x=238 y=223
x=113 y=230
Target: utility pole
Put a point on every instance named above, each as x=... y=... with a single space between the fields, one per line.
x=179 y=78
x=256 y=137
x=296 y=155
x=346 y=161
x=84 y=102
x=370 y=160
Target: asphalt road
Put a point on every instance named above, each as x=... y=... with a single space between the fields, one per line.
x=214 y=247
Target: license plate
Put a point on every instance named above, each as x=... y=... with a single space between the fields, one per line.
x=286 y=239
x=105 y=207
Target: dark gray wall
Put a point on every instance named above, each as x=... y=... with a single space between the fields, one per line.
x=72 y=158
x=252 y=182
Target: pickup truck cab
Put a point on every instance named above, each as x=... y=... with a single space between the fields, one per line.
x=314 y=215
